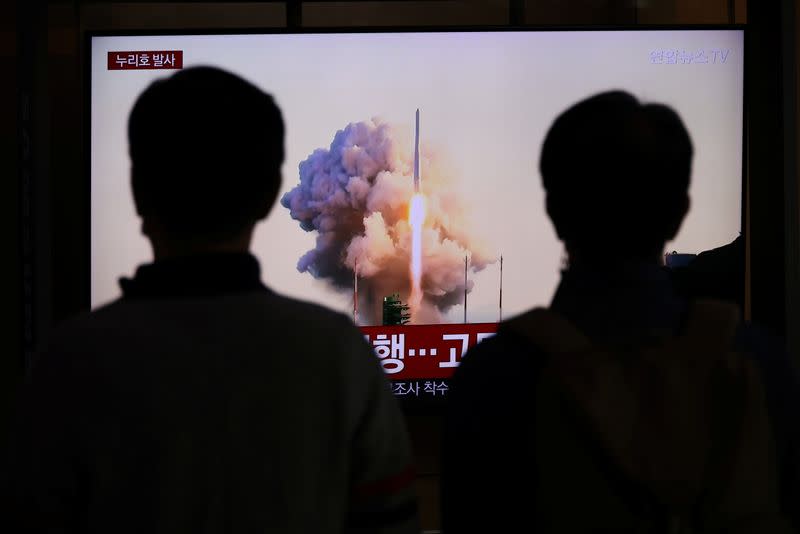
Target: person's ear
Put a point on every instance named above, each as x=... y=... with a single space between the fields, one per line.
x=555 y=215
x=147 y=227
x=140 y=198
x=270 y=196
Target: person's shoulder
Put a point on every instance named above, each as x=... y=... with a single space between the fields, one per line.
x=493 y=351
x=314 y=325
x=503 y=357
x=259 y=314
x=494 y=385
x=265 y=307
x=79 y=328
x=300 y=317
x=291 y=307
x=71 y=347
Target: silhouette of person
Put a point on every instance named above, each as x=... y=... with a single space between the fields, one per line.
x=202 y=401
x=598 y=414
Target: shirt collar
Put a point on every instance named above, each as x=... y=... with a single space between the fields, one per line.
x=617 y=303
x=195 y=276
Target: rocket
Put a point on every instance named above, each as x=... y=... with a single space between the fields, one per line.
x=416 y=156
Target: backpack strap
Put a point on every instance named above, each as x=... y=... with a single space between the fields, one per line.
x=711 y=325
x=565 y=351
x=685 y=419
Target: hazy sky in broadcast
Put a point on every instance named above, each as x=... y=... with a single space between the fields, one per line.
x=486 y=100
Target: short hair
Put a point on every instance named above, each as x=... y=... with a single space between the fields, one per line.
x=616 y=173
x=206 y=149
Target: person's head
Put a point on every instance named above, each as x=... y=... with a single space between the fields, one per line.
x=206 y=150
x=616 y=175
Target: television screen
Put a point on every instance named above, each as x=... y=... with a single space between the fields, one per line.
x=411 y=198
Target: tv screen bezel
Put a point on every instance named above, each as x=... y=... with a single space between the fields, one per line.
x=422 y=404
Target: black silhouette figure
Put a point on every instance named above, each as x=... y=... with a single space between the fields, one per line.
x=201 y=401
x=625 y=406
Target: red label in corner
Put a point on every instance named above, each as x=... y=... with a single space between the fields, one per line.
x=150 y=59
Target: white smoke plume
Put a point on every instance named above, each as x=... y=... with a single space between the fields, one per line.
x=355 y=195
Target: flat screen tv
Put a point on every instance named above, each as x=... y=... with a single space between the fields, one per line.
x=411 y=191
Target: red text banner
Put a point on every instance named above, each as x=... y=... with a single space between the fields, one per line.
x=424 y=351
x=145 y=60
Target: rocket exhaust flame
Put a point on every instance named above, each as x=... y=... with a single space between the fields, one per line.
x=416 y=219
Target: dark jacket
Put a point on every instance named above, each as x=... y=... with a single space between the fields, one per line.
x=203 y=402
x=488 y=480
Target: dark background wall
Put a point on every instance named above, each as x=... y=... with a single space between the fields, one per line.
x=10 y=267
x=45 y=206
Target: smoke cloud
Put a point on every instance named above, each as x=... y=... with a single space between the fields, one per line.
x=355 y=195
